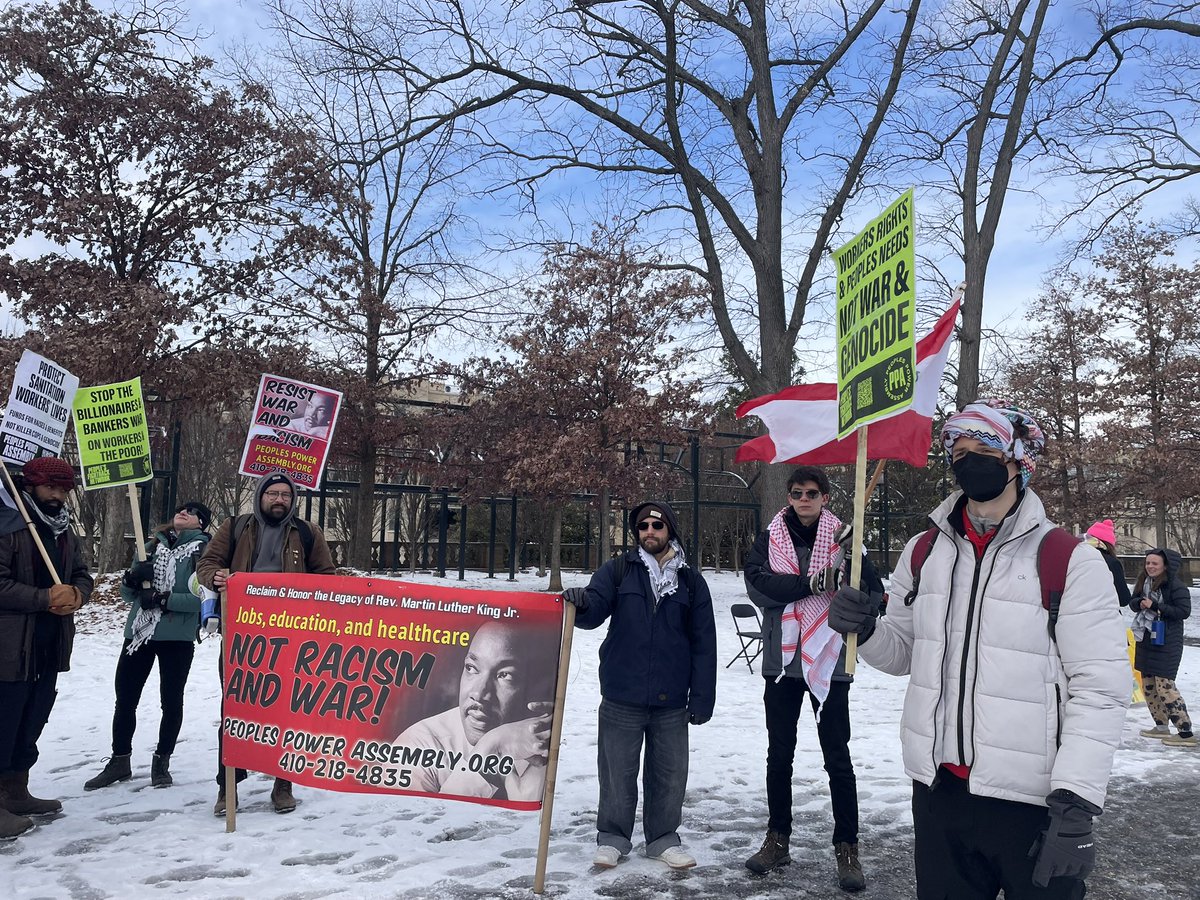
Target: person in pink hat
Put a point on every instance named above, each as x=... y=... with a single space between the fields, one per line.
x=1103 y=537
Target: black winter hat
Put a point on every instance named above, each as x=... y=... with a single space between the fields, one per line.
x=657 y=509
x=202 y=512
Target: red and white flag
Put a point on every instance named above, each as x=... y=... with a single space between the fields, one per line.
x=802 y=420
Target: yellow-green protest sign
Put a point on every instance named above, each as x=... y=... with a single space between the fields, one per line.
x=876 y=298
x=110 y=428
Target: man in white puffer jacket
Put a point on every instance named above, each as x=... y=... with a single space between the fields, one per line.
x=1008 y=732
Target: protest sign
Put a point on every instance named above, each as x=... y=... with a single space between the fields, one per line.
x=377 y=686
x=291 y=427
x=39 y=405
x=110 y=428
x=876 y=297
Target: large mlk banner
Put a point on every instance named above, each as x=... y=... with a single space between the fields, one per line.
x=369 y=685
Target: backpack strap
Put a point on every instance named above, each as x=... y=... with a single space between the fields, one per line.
x=1053 y=557
x=919 y=555
x=619 y=569
x=239 y=528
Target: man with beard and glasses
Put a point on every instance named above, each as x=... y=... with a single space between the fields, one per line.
x=505 y=700
x=1017 y=688
x=271 y=539
x=37 y=631
x=658 y=674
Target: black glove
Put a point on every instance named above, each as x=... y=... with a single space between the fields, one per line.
x=1066 y=848
x=577 y=597
x=150 y=599
x=697 y=719
x=853 y=612
x=827 y=579
x=139 y=572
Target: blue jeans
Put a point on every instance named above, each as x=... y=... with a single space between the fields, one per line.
x=622 y=728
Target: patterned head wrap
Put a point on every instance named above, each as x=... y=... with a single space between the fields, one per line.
x=995 y=424
x=49 y=470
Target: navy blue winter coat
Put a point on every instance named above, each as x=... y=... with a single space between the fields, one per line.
x=664 y=657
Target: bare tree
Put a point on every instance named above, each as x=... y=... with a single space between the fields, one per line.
x=402 y=279
x=744 y=130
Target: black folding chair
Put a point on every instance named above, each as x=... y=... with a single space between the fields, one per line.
x=750 y=640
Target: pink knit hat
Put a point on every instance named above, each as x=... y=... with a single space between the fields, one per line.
x=1104 y=531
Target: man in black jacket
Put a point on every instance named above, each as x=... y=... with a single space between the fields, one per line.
x=791 y=572
x=37 y=631
x=658 y=674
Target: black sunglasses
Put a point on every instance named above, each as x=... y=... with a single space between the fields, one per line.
x=804 y=495
x=647 y=525
x=190 y=510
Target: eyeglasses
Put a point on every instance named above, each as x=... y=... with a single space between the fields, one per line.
x=190 y=510
x=278 y=495
x=649 y=523
x=804 y=495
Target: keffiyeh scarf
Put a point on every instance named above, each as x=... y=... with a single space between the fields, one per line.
x=166 y=561
x=805 y=625
x=993 y=423
x=664 y=579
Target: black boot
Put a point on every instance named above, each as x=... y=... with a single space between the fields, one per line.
x=12 y=825
x=160 y=772
x=15 y=797
x=772 y=854
x=850 y=873
x=116 y=769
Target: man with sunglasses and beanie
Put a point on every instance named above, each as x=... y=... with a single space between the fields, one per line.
x=658 y=675
x=791 y=573
x=1016 y=697
x=37 y=630
x=271 y=539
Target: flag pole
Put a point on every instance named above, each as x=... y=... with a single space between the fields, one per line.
x=560 y=696
x=33 y=532
x=856 y=540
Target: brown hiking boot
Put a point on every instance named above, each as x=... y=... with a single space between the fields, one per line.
x=281 y=796
x=850 y=873
x=219 y=806
x=772 y=854
x=15 y=797
x=11 y=825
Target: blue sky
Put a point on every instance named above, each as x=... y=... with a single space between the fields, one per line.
x=1024 y=251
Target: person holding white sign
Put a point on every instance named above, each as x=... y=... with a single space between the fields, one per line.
x=37 y=631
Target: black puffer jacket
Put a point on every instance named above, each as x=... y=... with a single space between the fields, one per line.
x=1173 y=602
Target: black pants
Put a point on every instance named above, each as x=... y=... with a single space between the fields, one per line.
x=783 y=701
x=968 y=847
x=25 y=707
x=174 y=664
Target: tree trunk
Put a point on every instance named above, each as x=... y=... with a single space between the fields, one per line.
x=605 y=551
x=1160 y=524
x=771 y=489
x=362 y=533
x=114 y=553
x=556 y=524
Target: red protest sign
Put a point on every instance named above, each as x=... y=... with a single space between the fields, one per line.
x=291 y=427
x=377 y=686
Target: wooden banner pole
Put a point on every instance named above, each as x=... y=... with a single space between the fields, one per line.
x=37 y=538
x=856 y=540
x=139 y=533
x=230 y=771
x=560 y=696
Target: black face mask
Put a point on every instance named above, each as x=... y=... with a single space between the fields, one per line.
x=981 y=477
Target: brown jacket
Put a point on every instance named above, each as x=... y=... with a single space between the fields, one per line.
x=21 y=602
x=222 y=555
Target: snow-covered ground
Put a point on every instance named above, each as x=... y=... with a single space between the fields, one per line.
x=130 y=840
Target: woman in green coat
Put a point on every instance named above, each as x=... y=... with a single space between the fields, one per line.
x=162 y=625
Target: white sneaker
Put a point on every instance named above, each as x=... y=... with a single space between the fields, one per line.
x=1158 y=731
x=606 y=857
x=676 y=858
